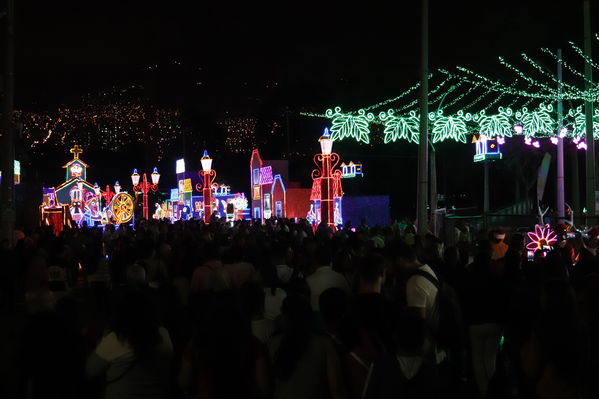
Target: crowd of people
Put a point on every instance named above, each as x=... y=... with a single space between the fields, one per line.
x=280 y=310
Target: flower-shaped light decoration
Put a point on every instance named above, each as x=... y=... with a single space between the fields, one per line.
x=541 y=238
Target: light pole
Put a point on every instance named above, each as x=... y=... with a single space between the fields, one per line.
x=145 y=187
x=327 y=179
x=208 y=175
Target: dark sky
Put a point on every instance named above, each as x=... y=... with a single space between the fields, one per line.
x=314 y=54
x=210 y=58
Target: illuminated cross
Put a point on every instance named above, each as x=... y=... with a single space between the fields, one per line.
x=76 y=151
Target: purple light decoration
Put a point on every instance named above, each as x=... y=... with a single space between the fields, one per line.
x=518 y=129
x=528 y=141
x=563 y=132
x=266 y=175
x=500 y=140
x=554 y=140
x=536 y=144
x=541 y=238
x=582 y=145
x=576 y=140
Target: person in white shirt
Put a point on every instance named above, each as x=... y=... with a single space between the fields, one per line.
x=421 y=295
x=324 y=277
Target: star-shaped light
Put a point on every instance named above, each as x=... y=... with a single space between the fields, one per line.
x=542 y=237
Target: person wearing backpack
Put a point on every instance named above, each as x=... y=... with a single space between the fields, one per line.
x=435 y=302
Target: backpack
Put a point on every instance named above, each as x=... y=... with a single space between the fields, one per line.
x=445 y=319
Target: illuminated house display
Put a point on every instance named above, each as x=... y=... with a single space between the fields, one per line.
x=487 y=148
x=187 y=200
x=351 y=170
x=272 y=195
x=77 y=200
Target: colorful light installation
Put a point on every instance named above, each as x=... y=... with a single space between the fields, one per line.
x=541 y=239
x=495 y=125
x=350 y=125
x=208 y=175
x=537 y=122
x=449 y=127
x=351 y=170
x=400 y=127
x=266 y=175
x=487 y=148
x=326 y=187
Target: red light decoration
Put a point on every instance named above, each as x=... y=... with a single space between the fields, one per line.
x=208 y=176
x=326 y=179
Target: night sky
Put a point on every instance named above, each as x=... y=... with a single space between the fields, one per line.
x=212 y=60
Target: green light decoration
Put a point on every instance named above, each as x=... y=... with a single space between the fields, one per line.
x=399 y=127
x=347 y=125
x=449 y=127
x=523 y=76
x=495 y=125
x=537 y=122
x=551 y=76
x=579 y=128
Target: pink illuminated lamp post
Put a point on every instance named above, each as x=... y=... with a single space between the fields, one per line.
x=208 y=175
x=145 y=187
x=326 y=179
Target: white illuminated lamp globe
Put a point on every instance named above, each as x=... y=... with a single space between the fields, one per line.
x=206 y=162
x=155 y=176
x=135 y=177
x=96 y=189
x=117 y=187
x=326 y=143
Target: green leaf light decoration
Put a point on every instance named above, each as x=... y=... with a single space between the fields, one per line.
x=449 y=127
x=579 y=128
x=350 y=125
x=399 y=127
x=537 y=122
x=495 y=125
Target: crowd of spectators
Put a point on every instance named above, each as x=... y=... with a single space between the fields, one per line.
x=281 y=310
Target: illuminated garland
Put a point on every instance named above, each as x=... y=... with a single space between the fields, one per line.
x=449 y=127
x=579 y=128
x=537 y=122
x=347 y=125
x=495 y=125
x=399 y=127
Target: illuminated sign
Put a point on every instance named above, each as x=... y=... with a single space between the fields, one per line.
x=174 y=194
x=486 y=148
x=256 y=195
x=187 y=187
x=351 y=170
x=180 y=166
x=266 y=175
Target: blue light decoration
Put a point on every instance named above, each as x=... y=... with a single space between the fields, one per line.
x=487 y=148
x=351 y=170
x=174 y=194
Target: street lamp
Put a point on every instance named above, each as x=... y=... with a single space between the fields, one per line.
x=145 y=187
x=326 y=179
x=207 y=174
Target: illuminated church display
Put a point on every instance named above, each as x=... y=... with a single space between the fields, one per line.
x=76 y=200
